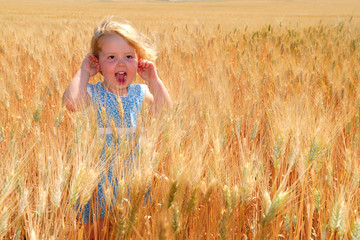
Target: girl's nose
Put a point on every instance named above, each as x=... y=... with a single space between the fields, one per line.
x=121 y=62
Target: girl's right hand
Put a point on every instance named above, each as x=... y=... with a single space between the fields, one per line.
x=91 y=65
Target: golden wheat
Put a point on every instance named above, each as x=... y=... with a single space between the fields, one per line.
x=262 y=141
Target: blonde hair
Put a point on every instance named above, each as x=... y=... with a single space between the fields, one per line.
x=138 y=41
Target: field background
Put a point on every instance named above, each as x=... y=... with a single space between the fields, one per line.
x=262 y=142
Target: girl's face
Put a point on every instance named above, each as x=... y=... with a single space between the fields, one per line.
x=118 y=63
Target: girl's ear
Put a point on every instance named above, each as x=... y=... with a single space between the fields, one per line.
x=98 y=65
x=140 y=60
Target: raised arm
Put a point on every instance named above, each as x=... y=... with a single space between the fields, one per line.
x=160 y=96
x=75 y=96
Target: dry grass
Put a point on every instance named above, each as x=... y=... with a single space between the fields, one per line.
x=262 y=142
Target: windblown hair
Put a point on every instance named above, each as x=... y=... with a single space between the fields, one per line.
x=144 y=49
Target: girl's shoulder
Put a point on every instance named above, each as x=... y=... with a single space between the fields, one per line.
x=94 y=88
x=138 y=88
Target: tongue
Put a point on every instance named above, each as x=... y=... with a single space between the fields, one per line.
x=120 y=77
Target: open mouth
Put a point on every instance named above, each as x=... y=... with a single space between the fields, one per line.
x=121 y=77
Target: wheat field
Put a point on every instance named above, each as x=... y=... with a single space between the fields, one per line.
x=262 y=141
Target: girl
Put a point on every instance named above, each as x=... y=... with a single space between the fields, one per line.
x=118 y=52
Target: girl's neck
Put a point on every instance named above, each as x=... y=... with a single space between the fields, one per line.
x=121 y=92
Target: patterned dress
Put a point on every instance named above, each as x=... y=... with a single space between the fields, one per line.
x=112 y=117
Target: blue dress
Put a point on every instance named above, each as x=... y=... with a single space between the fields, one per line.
x=108 y=115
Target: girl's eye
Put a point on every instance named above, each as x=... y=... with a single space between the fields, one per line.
x=111 y=57
x=129 y=57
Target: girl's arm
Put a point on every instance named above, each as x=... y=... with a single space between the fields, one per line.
x=75 y=96
x=160 y=96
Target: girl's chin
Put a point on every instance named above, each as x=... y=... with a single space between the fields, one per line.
x=121 y=82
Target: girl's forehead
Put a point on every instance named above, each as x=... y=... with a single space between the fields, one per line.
x=114 y=39
x=111 y=35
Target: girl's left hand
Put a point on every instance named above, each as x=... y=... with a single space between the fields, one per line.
x=147 y=70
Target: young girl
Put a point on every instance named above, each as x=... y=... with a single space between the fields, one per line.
x=118 y=52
